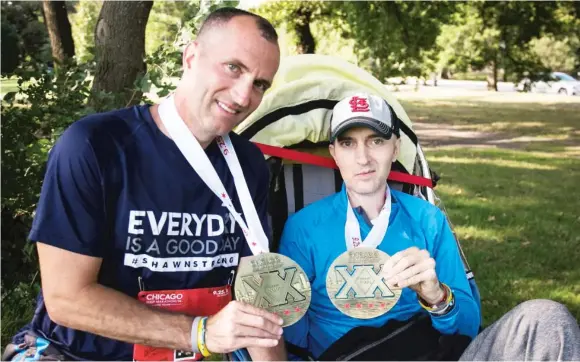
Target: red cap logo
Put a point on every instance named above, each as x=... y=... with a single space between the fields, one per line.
x=358 y=104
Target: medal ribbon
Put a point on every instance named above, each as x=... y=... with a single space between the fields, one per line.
x=195 y=155
x=378 y=231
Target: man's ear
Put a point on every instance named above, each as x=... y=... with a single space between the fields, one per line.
x=331 y=150
x=397 y=149
x=190 y=52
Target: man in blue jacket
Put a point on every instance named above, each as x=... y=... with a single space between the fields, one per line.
x=436 y=314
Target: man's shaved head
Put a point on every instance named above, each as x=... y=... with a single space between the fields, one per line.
x=226 y=71
x=223 y=15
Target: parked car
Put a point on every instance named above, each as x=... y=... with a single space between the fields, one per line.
x=560 y=83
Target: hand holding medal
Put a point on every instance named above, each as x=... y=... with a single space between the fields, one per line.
x=240 y=325
x=414 y=268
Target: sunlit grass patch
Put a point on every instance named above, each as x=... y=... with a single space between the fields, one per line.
x=507 y=114
x=8 y=85
x=500 y=162
x=517 y=215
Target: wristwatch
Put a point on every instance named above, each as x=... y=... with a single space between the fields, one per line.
x=444 y=306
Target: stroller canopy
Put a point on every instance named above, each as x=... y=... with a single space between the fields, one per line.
x=296 y=110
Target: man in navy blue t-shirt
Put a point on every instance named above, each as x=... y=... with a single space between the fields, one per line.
x=122 y=211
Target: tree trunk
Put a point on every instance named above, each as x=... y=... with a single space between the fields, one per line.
x=492 y=78
x=119 y=51
x=306 y=43
x=59 y=30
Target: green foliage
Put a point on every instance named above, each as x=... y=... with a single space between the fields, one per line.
x=166 y=21
x=46 y=105
x=330 y=42
x=10 y=40
x=386 y=38
x=83 y=21
x=292 y=15
x=17 y=307
x=392 y=37
x=556 y=54
x=284 y=16
x=482 y=34
x=26 y=34
x=32 y=119
x=399 y=38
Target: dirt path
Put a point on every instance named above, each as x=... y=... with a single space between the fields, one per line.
x=446 y=135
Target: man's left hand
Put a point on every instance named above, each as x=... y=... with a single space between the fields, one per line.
x=414 y=268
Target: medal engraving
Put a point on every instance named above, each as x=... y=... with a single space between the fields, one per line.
x=275 y=283
x=355 y=286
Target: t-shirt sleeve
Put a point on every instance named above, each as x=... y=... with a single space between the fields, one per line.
x=71 y=213
x=291 y=245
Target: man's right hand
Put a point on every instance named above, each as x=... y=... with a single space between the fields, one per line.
x=240 y=325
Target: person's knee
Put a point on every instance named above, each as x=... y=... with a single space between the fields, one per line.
x=542 y=310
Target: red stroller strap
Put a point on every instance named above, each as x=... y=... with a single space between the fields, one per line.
x=304 y=157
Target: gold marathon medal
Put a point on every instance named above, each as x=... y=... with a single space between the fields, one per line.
x=355 y=287
x=275 y=283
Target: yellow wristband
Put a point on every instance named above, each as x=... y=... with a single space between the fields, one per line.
x=201 y=338
x=447 y=298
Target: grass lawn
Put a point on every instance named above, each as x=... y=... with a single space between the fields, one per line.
x=8 y=85
x=514 y=208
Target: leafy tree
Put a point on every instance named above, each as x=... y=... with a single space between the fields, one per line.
x=47 y=103
x=296 y=17
x=83 y=22
x=388 y=38
x=166 y=21
x=556 y=54
x=23 y=20
x=10 y=47
x=393 y=36
x=496 y=35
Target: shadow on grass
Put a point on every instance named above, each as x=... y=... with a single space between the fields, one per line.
x=527 y=126
x=517 y=215
x=533 y=116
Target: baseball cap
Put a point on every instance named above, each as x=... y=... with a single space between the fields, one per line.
x=364 y=110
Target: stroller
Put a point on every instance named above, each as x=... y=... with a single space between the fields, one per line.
x=291 y=127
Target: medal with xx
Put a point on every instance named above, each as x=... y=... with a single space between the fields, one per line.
x=275 y=283
x=354 y=281
x=355 y=285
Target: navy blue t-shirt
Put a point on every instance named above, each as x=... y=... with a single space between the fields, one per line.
x=117 y=188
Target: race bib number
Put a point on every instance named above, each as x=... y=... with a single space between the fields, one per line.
x=194 y=302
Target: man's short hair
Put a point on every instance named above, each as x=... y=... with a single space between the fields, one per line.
x=223 y=15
